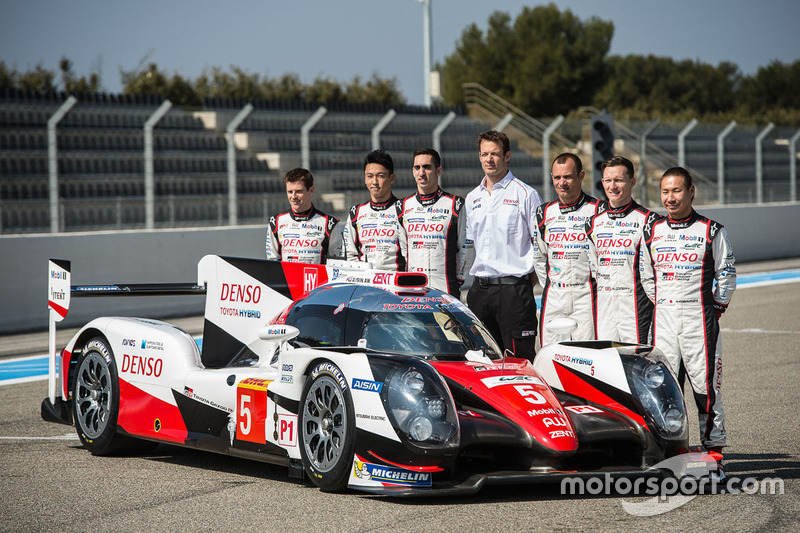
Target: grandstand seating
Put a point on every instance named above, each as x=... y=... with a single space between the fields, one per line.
x=740 y=158
x=100 y=162
x=100 y=158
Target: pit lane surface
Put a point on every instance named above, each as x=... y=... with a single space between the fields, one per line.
x=49 y=483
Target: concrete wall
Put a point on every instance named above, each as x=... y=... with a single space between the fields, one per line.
x=161 y=256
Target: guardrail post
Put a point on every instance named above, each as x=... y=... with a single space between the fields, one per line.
x=380 y=126
x=506 y=120
x=682 y=142
x=721 y=161
x=305 y=143
x=439 y=129
x=643 y=159
x=233 y=211
x=149 y=180
x=52 y=159
x=546 y=155
x=760 y=163
x=793 y=166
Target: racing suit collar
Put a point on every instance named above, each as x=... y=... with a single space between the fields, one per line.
x=429 y=199
x=621 y=212
x=305 y=215
x=684 y=222
x=574 y=206
x=384 y=205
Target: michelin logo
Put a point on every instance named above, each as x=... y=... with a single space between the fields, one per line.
x=391 y=475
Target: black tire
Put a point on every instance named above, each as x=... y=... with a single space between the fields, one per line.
x=327 y=427
x=95 y=400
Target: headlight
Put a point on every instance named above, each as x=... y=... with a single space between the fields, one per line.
x=420 y=428
x=675 y=420
x=657 y=391
x=419 y=404
x=654 y=376
x=413 y=381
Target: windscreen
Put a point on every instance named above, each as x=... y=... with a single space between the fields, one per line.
x=432 y=327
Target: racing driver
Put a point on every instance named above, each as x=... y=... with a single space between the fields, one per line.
x=688 y=271
x=624 y=312
x=432 y=226
x=302 y=234
x=562 y=255
x=371 y=231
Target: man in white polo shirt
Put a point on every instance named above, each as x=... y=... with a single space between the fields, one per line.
x=501 y=225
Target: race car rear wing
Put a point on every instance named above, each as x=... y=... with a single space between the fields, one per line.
x=60 y=292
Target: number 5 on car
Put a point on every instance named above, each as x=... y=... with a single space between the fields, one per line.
x=251 y=410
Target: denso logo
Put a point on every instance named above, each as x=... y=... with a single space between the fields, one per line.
x=233 y=292
x=614 y=243
x=566 y=237
x=426 y=227
x=378 y=232
x=677 y=257
x=144 y=366
x=300 y=243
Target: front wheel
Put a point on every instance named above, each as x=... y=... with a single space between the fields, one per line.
x=95 y=400
x=327 y=427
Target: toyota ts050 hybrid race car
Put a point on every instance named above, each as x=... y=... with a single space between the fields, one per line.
x=357 y=378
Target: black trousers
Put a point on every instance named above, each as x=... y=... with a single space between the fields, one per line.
x=509 y=313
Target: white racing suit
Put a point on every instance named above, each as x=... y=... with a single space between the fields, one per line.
x=624 y=312
x=562 y=266
x=688 y=269
x=371 y=234
x=432 y=234
x=302 y=237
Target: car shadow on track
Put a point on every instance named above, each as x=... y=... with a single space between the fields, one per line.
x=204 y=460
x=762 y=465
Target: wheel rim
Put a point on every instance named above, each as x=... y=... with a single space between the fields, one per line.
x=324 y=424
x=93 y=391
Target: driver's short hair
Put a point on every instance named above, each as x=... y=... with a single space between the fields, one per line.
x=300 y=174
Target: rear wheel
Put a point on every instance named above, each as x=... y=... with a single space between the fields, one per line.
x=327 y=428
x=95 y=400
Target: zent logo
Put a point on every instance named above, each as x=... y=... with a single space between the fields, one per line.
x=382 y=278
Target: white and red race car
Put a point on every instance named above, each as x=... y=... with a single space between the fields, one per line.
x=357 y=378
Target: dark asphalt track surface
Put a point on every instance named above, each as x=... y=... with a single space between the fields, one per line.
x=50 y=483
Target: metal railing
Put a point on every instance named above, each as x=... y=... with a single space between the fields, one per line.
x=476 y=95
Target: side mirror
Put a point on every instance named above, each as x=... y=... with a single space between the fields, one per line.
x=278 y=333
x=563 y=327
